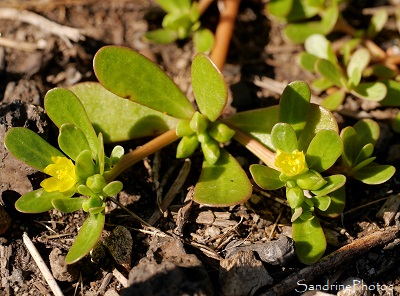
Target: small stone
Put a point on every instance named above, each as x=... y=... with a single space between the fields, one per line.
x=119 y=244
x=244 y=265
x=212 y=231
x=61 y=271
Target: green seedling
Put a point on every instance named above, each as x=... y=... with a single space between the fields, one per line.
x=297 y=15
x=305 y=138
x=181 y=22
x=130 y=75
x=80 y=168
x=341 y=80
x=357 y=160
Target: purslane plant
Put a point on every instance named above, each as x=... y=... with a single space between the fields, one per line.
x=79 y=169
x=181 y=22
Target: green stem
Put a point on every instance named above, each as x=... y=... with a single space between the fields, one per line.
x=141 y=152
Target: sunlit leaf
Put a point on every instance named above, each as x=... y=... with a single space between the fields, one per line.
x=284 y=137
x=375 y=174
x=309 y=240
x=72 y=140
x=39 y=201
x=68 y=205
x=334 y=182
x=279 y=8
x=295 y=196
x=84 y=165
x=320 y=47
x=324 y=149
x=87 y=238
x=203 y=40
x=30 y=148
x=311 y=180
x=222 y=184
x=372 y=91
x=360 y=165
x=349 y=137
x=63 y=106
x=378 y=21
x=330 y=72
x=334 y=100
x=161 y=36
x=174 y=5
x=266 y=177
x=307 y=61
x=294 y=105
x=118 y=119
x=130 y=75
x=318 y=119
x=321 y=84
x=209 y=87
x=359 y=60
x=322 y=202
x=364 y=153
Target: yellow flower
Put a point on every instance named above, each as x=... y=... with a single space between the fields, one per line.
x=291 y=164
x=62 y=173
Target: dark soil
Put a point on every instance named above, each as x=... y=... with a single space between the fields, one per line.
x=199 y=260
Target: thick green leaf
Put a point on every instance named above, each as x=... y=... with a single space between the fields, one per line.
x=294 y=105
x=360 y=165
x=72 y=140
x=309 y=240
x=203 y=40
x=118 y=119
x=372 y=91
x=84 y=165
x=321 y=84
x=161 y=36
x=324 y=149
x=364 y=153
x=307 y=61
x=299 y=32
x=330 y=72
x=301 y=10
x=284 y=137
x=68 y=205
x=311 y=180
x=349 y=138
x=392 y=97
x=266 y=177
x=257 y=123
x=87 y=238
x=374 y=174
x=367 y=132
x=63 y=106
x=209 y=87
x=322 y=202
x=338 y=202
x=39 y=201
x=334 y=182
x=334 y=100
x=318 y=119
x=378 y=21
x=174 y=5
x=30 y=148
x=279 y=8
x=359 y=60
x=130 y=75
x=222 y=184
x=320 y=47
x=294 y=196
x=113 y=188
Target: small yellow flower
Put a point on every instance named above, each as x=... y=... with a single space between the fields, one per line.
x=62 y=172
x=291 y=164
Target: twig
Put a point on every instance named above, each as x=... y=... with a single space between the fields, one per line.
x=203 y=5
x=334 y=260
x=223 y=33
x=365 y=205
x=276 y=223
x=119 y=276
x=42 y=23
x=172 y=192
x=42 y=266
x=22 y=45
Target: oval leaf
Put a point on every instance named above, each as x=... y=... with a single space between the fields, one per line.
x=338 y=202
x=72 y=140
x=284 y=137
x=309 y=240
x=331 y=72
x=130 y=75
x=334 y=100
x=62 y=106
x=39 y=201
x=375 y=174
x=372 y=91
x=266 y=177
x=294 y=105
x=106 y=113
x=209 y=87
x=68 y=205
x=334 y=182
x=203 y=40
x=222 y=184
x=30 y=148
x=87 y=238
x=324 y=149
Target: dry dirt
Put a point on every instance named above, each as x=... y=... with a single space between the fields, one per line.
x=215 y=251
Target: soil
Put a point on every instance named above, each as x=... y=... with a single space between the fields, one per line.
x=193 y=250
